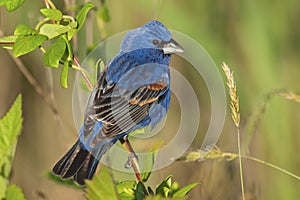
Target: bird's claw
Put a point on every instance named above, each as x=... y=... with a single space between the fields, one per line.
x=132 y=156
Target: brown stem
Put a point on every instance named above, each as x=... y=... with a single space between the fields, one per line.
x=134 y=162
x=7 y=43
x=85 y=76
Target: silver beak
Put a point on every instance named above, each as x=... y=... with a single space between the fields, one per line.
x=172 y=47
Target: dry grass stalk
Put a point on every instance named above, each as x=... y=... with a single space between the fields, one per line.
x=235 y=115
x=290 y=96
x=234 y=99
x=202 y=155
x=216 y=153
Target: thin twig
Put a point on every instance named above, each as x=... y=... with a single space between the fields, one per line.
x=84 y=74
x=50 y=4
x=133 y=162
x=50 y=93
x=7 y=43
x=37 y=87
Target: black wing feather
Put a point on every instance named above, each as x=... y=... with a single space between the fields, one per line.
x=119 y=114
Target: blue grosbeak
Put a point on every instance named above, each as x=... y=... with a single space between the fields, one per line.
x=133 y=91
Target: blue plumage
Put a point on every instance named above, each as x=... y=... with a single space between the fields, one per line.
x=145 y=37
x=132 y=92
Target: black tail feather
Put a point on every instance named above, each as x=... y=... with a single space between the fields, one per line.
x=87 y=170
x=77 y=162
x=59 y=168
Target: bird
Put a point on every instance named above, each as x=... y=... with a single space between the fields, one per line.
x=132 y=92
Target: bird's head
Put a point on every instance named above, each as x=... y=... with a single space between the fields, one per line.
x=152 y=35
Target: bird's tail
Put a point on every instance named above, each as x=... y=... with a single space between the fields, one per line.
x=77 y=163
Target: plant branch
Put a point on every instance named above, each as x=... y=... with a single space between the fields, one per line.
x=84 y=74
x=132 y=159
x=37 y=87
x=7 y=43
x=48 y=4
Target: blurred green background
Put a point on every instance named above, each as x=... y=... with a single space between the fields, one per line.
x=259 y=40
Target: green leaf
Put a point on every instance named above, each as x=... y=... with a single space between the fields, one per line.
x=55 y=52
x=137 y=131
x=23 y=29
x=6 y=166
x=8 y=41
x=125 y=190
x=80 y=18
x=121 y=186
x=149 y=161
x=166 y=183
x=53 y=14
x=26 y=44
x=3 y=186
x=73 y=24
x=174 y=188
x=183 y=191
x=12 y=5
x=13 y=192
x=64 y=75
x=103 y=13
x=166 y=191
x=101 y=187
x=69 y=48
x=148 y=165
x=10 y=128
x=53 y=30
x=140 y=191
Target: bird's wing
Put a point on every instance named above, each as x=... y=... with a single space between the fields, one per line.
x=119 y=113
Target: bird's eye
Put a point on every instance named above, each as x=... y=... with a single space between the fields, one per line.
x=155 y=42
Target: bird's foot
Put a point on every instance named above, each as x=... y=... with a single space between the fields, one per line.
x=131 y=158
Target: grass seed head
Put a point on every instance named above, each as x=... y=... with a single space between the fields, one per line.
x=234 y=98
